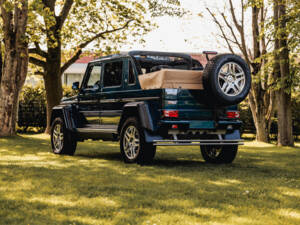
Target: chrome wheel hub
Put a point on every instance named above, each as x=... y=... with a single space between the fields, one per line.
x=231 y=79
x=131 y=142
x=58 y=137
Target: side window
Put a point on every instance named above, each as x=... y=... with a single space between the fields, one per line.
x=94 y=76
x=113 y=74
x=131 y=76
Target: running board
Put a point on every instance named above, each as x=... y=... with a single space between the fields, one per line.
x=173 y=142
x=97 y=130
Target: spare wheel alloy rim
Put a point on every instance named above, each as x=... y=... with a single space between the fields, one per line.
x=131 y=142
x=231 y=79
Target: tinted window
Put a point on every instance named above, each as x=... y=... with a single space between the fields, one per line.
x=94 y=76
x=113 y=74
x=131 y=77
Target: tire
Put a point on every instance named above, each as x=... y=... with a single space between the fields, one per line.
x=141 y=152
x=226 y=80
x=62 y=140
x=219 y=154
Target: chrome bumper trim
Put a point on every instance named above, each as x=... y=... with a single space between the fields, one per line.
x=197 y=142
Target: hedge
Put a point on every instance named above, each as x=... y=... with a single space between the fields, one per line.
x=32 y=106
x=32 y=110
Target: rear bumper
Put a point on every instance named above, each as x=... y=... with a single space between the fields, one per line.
x=197 y=142
x=215 y=138
x=203 y=124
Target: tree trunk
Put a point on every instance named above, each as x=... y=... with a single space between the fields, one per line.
x=1 y=62
x=53 y=86
x=285 y=127
x=259 y=98
x=9 y=92
x=259 y=117
x=262 y=133
x=15 y=65
x=52 y=74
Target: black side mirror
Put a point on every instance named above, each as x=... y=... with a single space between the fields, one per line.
x=75 y=85
x=96 y=87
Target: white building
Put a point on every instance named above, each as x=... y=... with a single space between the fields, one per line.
x=76 y=71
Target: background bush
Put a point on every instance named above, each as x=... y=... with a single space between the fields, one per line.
x=248 y=124
x=32 y=107
x=32 y=111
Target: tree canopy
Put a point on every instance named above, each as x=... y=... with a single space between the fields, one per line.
x=55 y=25
x=108 y=24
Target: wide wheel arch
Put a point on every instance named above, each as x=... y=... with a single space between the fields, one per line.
x=146 y=150
x=139 y=110
x=66 y=113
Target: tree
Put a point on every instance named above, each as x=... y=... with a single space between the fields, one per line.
x=1 y=62
x=74 y=24
x=234 y=32
x=14 y=21
x=284 y=109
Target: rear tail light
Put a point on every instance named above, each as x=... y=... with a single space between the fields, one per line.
x=233 y=114
x=174 y=126
x=170 y=113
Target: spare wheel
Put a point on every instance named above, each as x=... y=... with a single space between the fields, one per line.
x=226 y=80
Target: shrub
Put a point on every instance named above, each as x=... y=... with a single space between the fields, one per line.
x=32 y=107
x=68 y=91
x=248 y=124
x=246 y=117
x=296 y=114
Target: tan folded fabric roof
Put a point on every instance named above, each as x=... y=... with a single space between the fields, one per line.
x=170 y=78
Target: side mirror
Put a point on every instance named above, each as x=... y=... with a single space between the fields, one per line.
x=96 y=87
x=75 y=85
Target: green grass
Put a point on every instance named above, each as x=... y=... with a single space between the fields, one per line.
x=262 y=186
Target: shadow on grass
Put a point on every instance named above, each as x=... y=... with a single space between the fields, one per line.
x=169 y=163
x=99 y=155
x=96 y=187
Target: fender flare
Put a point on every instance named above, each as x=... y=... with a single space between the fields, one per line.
x=66 y=112
x=140 y=110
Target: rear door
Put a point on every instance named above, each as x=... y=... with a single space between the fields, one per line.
x=111 y=95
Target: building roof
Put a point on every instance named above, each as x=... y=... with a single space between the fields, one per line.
x=85 y=59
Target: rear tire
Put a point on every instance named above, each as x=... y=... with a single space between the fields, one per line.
x=226 y=80
x=134 y=148
x=219 y=154
x=62 y=140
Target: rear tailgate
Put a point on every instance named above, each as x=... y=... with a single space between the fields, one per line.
x=189 y=103
x=193 y=112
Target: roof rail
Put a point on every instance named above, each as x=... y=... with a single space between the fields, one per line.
x=187 y=57
x=110 y=56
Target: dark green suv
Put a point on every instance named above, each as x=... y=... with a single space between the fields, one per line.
x=112 y=106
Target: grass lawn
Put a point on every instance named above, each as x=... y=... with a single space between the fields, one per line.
x=262 y=186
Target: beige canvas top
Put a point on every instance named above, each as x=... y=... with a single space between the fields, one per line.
x=171 y=78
